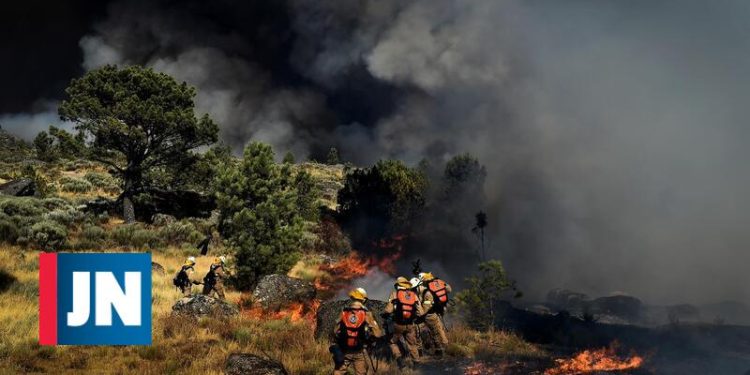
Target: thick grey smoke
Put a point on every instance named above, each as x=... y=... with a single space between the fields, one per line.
x=614 y=133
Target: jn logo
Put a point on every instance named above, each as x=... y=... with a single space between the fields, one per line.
x=95 y=299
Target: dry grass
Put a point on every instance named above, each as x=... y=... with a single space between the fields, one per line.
x=179 y=344
x=182 y=345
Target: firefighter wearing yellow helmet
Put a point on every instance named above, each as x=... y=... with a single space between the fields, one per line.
x=405 y=308
x=183 y=279
x=213 y=282
x=355 y=329
x=434 y=295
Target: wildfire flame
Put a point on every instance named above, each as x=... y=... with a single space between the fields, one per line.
x=295 y=312
x=604 y=359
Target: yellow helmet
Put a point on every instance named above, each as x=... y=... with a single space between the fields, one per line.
x=402 y=282
x=190 y=261
x=358 y=294
x=426 y=276
x=220 y=260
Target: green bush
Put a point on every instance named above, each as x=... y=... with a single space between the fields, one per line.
x=8 y=231
x=134 y=235
x=93 y=233
x=55 y=203
x=180 y=232
x=65 y=217
x=21 y=206
x=48 y=235
x=75 y=185
x=100 y=180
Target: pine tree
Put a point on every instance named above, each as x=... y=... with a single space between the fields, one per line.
x=260 y=217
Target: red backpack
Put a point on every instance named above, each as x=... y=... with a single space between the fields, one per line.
x=353 y=321
x=407 y=301
x=437 y=288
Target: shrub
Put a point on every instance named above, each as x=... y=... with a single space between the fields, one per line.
x=101 y=180
x=180 y=232
x=65 y=217
x=93 y=233
x=21 y=206
x=75 y=185
x=48 y=235
x=134 y=235
x=8 y=231
x=55 y=203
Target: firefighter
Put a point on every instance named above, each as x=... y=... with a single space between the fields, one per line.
x=434 y=294
x=404 y=307
x=182 y=280
x=355 y=330
x=214 y=280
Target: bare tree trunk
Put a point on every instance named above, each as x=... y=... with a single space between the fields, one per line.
x=128 y=210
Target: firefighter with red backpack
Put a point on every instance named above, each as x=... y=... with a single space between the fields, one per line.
x=404 y=307
x=434 y=294
x=355 y=330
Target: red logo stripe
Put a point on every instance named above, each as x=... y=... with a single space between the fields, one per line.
x=47 y=299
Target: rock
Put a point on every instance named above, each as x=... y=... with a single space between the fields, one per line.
x=251 y=364
x=329 y=314
x=276 y=291
x=158 y=268
x=24 y=187
x=200 y=305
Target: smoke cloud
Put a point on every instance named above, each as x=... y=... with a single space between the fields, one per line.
x=613 y=132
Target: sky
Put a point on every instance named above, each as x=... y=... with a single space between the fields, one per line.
x=614 y=132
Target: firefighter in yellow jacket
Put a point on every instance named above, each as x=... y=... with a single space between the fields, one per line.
x=355 y=329
x=405 y=307
x=434 y=294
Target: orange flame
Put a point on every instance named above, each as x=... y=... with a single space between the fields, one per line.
x=604 y=359
x=295 y=312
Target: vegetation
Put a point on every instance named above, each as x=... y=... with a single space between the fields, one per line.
x=381 y=201
x=484 y=294
x=261 y=220
x=137 y=120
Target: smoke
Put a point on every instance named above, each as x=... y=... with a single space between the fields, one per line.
x=613 y=132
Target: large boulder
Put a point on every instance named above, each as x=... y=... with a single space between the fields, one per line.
x=329 y=314
x=200 y=305
x=251 y=364
x=276 y=291
x=24 y=187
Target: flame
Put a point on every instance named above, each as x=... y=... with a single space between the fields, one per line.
x=295 y=312
x=604 y=359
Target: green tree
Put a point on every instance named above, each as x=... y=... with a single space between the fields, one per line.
x=260 y=219
x=45 y=147
x=136 y=119
x=464 y=177
x=485 y=292
x=333 y=156
x=288 y=158
x=67 y=145
x=382 y=200
x=307 y=196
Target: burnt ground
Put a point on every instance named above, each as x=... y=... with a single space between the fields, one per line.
x=683 y=349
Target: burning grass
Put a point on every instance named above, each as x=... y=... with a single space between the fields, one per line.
x=590 y=361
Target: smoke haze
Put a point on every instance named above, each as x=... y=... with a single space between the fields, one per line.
x=614 y=133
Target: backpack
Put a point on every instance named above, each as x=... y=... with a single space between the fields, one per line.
x=406 y=306
x=353 y=332
x=181 y=279
x=210 y=278
x=438 y=290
